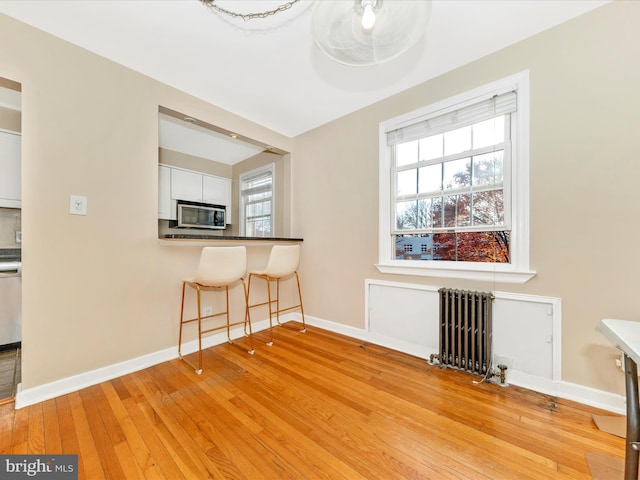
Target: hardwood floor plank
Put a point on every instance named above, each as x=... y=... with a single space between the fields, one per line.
x=20 y=431
x=67 y=429
x=92 y=466
x=317 y=406
x=159 y=454
x=7 y=414
x=169 y=463
x=35 y=434
x=53 y=440
x=102 y=438
x=133 y=438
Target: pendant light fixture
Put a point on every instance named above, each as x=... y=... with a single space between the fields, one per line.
x=356 y=32
x=368 y=32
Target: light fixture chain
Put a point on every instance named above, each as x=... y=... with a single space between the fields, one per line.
x=249 y=16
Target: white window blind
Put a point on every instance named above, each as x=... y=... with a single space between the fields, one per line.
x=257 y=185
x=461 y=117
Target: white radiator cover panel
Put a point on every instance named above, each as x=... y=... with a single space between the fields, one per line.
x=523 y=332
x=526 y=328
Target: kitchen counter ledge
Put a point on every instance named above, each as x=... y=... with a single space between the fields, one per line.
x=188 y=239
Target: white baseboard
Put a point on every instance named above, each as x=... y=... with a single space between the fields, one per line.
x=570 y=391
x=63 y=386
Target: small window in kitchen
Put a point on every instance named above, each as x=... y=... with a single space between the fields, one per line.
x=256 y=202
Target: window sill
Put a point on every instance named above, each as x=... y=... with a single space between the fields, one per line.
x=483 y=275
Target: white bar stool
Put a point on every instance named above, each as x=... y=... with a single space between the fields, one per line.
x=283 y=263
x=219 y=268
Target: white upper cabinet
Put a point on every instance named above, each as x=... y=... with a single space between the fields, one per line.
x=10 y=196
x=178 y=184
x=186 y=185
x=215 y=190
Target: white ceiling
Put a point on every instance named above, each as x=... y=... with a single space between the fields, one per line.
x=180 y=136
x=269 y=70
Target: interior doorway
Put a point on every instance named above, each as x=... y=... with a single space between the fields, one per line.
x=10 y=238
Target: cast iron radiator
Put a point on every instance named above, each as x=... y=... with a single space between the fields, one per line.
x=465 y=330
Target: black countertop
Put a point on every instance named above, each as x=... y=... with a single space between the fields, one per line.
x=184 y=236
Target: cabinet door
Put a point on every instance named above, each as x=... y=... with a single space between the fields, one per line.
x=213 y=190
x=166 y=205
x=217 y=190
x=186 y=185
x=10 y=170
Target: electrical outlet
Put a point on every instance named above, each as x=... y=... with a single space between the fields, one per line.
x=18 y=236
x=620 y=361
x=207 y=311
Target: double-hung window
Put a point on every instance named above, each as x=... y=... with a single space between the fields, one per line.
x=454 y=187
x=256 y=202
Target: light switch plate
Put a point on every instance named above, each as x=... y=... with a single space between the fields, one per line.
x=78 y=205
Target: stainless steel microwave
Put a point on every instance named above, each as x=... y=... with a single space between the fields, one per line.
x=201 y=215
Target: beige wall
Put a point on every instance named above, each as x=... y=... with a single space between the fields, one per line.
x=99 y=289
x=584 y=174
x=9 y=119
x=197 y=164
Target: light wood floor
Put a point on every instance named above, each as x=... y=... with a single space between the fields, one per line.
x=313 y=406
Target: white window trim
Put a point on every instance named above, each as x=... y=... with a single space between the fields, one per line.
x=518 y=270
x=271 y=167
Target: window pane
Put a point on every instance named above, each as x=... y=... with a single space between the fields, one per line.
x=449 y=207
x=406 y=153
x=424 y=214
x=488 y=168
x=436 y=213
x=488 y=208
x=430 y=178
x=444 y=245
x=457 y=141
x=431 y=147
x=472 y=247
x=414 y=247
x=407 y=182
x=489 y=132
x=463 y=210
x=457 y=173
x=406 y=215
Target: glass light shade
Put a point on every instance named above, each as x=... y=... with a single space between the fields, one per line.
x=338 y=32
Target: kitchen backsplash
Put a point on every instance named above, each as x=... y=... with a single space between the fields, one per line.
x=10 y=223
